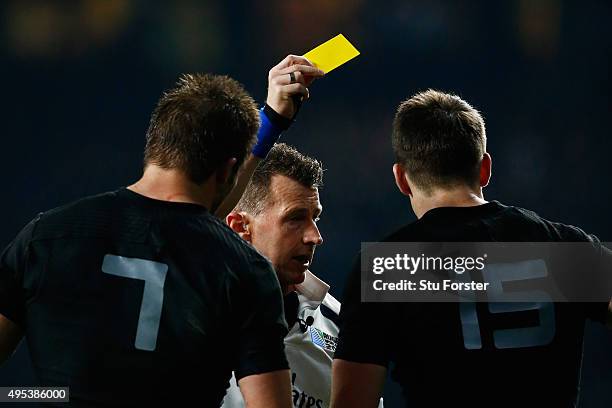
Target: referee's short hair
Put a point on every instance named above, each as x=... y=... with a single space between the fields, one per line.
x=201 y=123
x=282 y=160
x=439 y=139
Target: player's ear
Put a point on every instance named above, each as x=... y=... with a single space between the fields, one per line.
x=239 y=223
x=485 y=169
x=401 y=180
x=224 y=171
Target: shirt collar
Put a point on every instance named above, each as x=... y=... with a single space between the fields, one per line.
x=313 y=288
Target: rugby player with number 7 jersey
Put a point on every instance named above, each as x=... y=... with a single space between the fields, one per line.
x=142 y=296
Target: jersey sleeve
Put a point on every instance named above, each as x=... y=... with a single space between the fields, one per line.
x=594 y=281
x=260 y=322
x=364 y=328
x=12 y=268
x=597 y=280
x=599 y=311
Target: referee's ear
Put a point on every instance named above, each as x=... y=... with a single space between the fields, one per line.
x=239 y=223
x=401 y=180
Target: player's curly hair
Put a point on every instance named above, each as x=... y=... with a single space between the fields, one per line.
x=201 y=123
x=283 y=160
x=439 y=139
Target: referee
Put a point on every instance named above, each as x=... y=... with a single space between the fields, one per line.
x=141 y=295
x=278 y=215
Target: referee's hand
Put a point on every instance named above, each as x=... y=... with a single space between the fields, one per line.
x=289 y=81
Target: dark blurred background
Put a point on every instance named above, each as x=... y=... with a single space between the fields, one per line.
x=81 y=77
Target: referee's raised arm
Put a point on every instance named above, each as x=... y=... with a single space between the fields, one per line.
x=288 y=83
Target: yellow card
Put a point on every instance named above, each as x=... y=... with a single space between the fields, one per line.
x=332 y=53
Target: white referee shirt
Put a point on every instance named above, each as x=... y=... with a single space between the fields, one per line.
x=309 y=348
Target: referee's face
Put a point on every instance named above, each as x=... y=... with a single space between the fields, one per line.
x=286 y=230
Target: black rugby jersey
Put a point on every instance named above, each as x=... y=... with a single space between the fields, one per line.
x=434 y=361
x=130 y=300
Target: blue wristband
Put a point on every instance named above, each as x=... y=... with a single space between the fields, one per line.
x=267 y=135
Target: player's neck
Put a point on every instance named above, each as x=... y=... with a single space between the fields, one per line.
x=456 y=197
x=173 y=185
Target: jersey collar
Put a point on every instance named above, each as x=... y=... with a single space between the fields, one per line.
x=313 y=288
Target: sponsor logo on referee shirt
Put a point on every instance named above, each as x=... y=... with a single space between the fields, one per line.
x=323 y=340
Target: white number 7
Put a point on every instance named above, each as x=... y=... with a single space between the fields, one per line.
x=154 y=276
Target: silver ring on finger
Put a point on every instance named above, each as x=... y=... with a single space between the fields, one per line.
x=292 y=78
